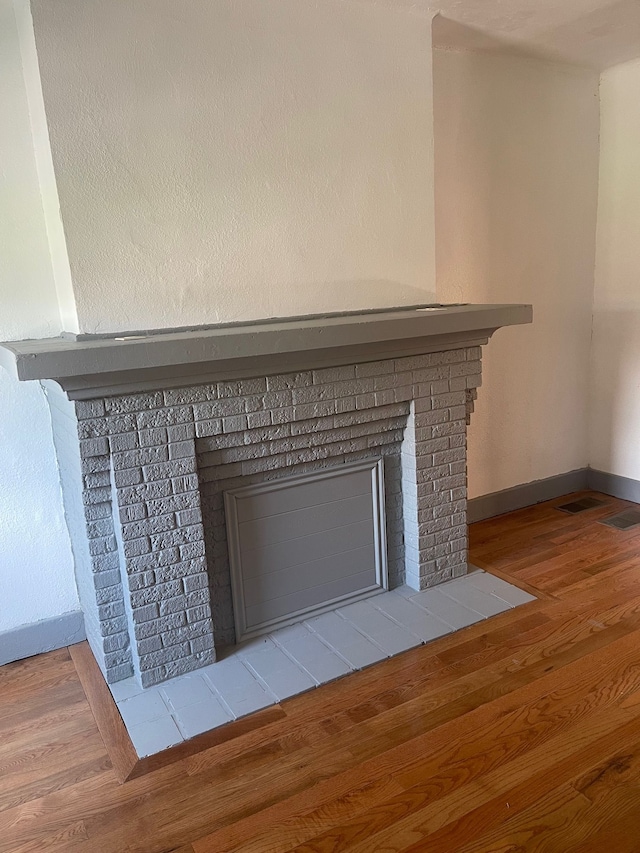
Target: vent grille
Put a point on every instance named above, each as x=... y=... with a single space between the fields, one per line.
x=623 y=520
x=581 y=505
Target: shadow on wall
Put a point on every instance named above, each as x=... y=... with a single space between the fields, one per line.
x=358 y=295
x=611 y=31
x=516 y=180
x=615 y=392
x=335 y=297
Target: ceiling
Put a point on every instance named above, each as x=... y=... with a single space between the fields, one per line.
x=595 y=33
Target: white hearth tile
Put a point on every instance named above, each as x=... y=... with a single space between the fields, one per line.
x=402 y=610
x=194 y=719
x=335 y=630
x=143 y=708
x=280 y=674
x=496 y=586
x=241 y=704
x=308 y=650
x=154 y=736
x=324 y=668
x=465 y=593
x=267 y=660
x=237 y=686
x=257 y=644
x=122 y=690
x=185 y=690
x=446 y=609
x=346 y=640
x=392 y=638
x=229 y=675
x=361 y=654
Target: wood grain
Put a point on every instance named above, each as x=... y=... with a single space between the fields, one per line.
x=113 y=730
x=521 y=732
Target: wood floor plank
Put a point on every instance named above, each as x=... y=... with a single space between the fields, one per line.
x=450 y=823
x=596 y=736
x=521 y=732
x=441 y=737
x=495 y=742
x=547 y=824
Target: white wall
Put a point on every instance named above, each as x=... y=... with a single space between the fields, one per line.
x=35 y=555
x=516 y=143
x=615 y=387
x=239 y=159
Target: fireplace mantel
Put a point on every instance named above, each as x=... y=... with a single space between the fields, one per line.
x=151 y=430
x=87 y=366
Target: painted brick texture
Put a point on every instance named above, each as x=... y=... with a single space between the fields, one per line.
x=154 y=467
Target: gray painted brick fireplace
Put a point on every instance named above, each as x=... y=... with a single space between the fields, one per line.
x=143 y=473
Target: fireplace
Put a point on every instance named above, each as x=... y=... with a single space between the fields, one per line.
x=151 y=430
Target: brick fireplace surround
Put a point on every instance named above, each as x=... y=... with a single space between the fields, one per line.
x=150 y=429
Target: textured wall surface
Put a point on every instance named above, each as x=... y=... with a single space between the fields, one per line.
x=516 y=196
x=615 y=365
x=239 y=160
x=35 y=557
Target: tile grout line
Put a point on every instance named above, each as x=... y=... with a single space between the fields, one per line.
x=439 y=617
x=393 y=622
x=466 y=606
x=220 y=697
x=172 y=712
x=406 y=628
x=293 y=660
x=334 y=649
x=362 y=632
x=483 y=592
x=257 y=677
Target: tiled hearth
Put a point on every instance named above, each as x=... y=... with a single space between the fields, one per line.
x=301 y=657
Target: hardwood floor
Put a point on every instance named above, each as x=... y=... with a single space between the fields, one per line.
x=521 y=733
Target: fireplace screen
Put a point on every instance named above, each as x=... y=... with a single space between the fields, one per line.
x=303 y=544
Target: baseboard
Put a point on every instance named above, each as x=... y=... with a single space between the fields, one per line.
x=528 y=494
x=614 y=485
x=43 y=636
x=517 y=497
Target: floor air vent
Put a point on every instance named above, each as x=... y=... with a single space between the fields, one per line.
x=581 y=505
x=623 y=520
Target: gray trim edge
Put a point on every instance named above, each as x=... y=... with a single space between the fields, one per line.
x=96 y=366
x=44 y=636
x=614 y=485
x=528 y=494
x=518 y=497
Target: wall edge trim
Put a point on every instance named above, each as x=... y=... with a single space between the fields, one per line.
x=43 y=636
x=614 y=484
x=527 y=494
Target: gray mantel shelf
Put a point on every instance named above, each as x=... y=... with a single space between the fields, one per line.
x=90 y=366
